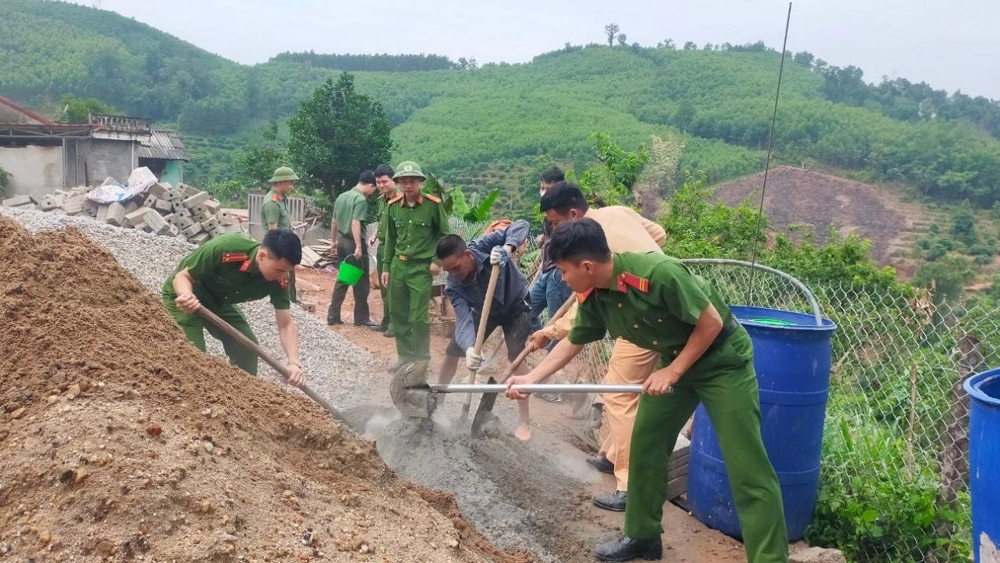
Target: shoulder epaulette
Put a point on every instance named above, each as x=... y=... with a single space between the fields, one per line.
x=228 y=257
x=276 y=197
x=581 y=297
x=395 y=199
x=433 y=198
x=626 y=280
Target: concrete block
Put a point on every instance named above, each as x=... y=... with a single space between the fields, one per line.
x=200 y=208
x=159 y=190
x=138 y=199
x=136 y=217
x=116 y=214
x=18 y=201
x=214 y=232
x=131 y=206
x=200 y=197
x=174 y=231
x=72 y=207
x=202 y=217
x=156 y=223
x=163 y=206
x=184 y=222
x=102 y=213
x=187 y=190
x=90 y=207
x=140 y=226
x=150 y=201
x=199 y=238
x=183 y=213
x=179 y=206
x=192 y=230
x=51 y=201
x=170 y=218
x=210 y=224
x=213 y=206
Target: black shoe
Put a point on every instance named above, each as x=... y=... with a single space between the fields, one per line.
x=389 y=334
x=602 y=464
x=378 y=328
x=627 y=549
x=368 y=323
x=615 y=502
x=331 y=322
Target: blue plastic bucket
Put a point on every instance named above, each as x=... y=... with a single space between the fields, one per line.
x=792 y=361
x=984 y=460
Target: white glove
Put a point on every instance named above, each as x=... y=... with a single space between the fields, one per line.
x=473 y=359
x=499 y=255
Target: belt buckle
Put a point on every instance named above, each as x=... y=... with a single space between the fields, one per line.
x=402 y=258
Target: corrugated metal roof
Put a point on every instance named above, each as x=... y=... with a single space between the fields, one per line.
x=164 y=145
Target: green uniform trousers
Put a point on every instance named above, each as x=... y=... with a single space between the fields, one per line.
x=194 y=329
x=409 y=302
x=732 y=400
x=380 y=266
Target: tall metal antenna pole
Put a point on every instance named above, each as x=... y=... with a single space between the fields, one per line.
x=767 y=163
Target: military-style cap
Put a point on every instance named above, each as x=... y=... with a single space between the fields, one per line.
x=283 y=173
x=409 y=169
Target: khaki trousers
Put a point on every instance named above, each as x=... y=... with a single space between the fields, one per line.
x=629 y=364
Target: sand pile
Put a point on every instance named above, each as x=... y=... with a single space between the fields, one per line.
x=119 y=440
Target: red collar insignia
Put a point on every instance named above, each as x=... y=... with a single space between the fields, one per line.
x=581 y=297
x=626 y=280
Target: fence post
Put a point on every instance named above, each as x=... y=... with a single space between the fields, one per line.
x=955 y=441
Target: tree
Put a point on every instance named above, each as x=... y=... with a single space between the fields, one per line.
x=622 y=39
x=947 y=276
x=690 y=46
x=611 y=30
x=255 y=165
x=336 y=134
x=77 y=110
x=667 y=44
x=610 y=183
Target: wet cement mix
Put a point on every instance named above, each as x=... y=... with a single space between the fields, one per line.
x=119 y=441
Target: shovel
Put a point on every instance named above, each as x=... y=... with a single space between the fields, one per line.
x=268 y=358
x=484 y=318
x=489 y=399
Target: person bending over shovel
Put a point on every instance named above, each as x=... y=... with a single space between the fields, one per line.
x=231 y=269
x=655 y=302
x=469 y=269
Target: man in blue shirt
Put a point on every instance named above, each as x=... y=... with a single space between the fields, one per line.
x=469 y=268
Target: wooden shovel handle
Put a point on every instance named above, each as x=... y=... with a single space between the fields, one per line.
x=268 y=358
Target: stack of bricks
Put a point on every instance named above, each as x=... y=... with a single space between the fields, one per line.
x=183 y=212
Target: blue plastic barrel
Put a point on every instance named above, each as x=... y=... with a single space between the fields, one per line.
x=792 y=361
x=984 y=459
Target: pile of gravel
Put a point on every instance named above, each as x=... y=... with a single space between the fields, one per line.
x=334 y=367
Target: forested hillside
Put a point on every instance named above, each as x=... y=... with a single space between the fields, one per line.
x=492 y=125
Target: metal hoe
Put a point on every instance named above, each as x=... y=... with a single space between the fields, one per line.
x=268 y=358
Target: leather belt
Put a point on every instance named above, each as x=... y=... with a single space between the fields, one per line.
x=728 y=328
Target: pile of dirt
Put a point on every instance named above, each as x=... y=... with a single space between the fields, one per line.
x=119 y=440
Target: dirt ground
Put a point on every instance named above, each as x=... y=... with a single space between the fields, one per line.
x=119 y=441
x=536 y=494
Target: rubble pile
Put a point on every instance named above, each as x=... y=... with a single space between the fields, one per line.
x=183 y=212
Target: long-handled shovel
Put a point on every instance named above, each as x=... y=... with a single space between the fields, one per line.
x=489 y=399
x=484 y=318
x=278 y=366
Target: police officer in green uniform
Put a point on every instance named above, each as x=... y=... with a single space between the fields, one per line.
x=387 y=191
x=654 y=302
x=274 y=211
x=230 y=269
x=414 y=223
x=350 y=211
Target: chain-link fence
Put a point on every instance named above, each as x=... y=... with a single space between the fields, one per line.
x=894 y=478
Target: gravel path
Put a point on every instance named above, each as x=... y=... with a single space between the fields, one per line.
x=334 y=367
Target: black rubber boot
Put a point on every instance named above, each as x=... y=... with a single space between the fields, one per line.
x=627 y=549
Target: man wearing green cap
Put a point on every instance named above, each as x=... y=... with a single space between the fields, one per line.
x=414 y=223
x=274 y=211
x=387 y=191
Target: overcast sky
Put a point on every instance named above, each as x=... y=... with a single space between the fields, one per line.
x=951 y=44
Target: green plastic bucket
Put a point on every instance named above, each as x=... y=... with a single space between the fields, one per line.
x=349 y=274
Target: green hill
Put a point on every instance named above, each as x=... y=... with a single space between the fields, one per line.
x=497 y=125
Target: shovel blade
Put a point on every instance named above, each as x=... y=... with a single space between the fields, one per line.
x=485 y=411
x=410 y=392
